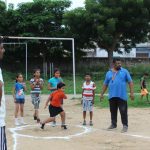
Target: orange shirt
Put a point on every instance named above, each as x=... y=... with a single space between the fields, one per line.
x=57 y=97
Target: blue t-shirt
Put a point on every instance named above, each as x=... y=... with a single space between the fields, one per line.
x=19 y=88
x=54 y=81
x=117 y=83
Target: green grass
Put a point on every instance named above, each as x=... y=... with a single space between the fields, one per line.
x=9 y=79
x=137 y=103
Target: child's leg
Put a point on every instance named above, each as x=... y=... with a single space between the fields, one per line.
x=16 y=114
x=22 y=110
x=84 y=115
x=47 y=121
x=91 y=115
x=63 y=116
x=22 y=113
x=16 y=110
x=50 y=119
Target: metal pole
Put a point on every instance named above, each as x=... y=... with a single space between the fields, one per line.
x=26 y=61
x=50 y=70
x=46 y=69
x=74 y=71
x=35 y=38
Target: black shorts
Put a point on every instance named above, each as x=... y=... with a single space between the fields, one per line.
x=54 y=111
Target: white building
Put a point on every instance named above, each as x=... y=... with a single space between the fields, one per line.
x=141 y=51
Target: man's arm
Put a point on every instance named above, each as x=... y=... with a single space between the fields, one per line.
x=1 y=85
x=103 y=91
x=131 y=90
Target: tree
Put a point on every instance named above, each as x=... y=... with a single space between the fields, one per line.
x=2 y=17
x=112 y=23
x=39 y=18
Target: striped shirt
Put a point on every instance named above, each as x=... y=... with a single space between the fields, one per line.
x=37 y=89
x=88 y=90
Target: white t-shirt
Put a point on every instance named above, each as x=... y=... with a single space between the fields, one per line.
x=88 y=90
x=2 y=107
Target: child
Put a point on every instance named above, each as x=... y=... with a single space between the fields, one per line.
x=88 y=95
x=55 y=105
x=144 y=91
x=52 y=85
x=36 y=84
x=19 y=98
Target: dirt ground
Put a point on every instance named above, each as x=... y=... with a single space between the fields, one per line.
x=77 y=137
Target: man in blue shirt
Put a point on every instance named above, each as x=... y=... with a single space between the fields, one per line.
x=116 y=81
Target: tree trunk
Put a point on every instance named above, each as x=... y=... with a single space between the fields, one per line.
x=110 y=57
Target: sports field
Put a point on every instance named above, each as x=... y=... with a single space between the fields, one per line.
x=77 y=137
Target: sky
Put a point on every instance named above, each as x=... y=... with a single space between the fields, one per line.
x=75 y=3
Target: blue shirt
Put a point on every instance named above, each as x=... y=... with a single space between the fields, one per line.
x=19 y=88
x=53 y=82
x=117 y=83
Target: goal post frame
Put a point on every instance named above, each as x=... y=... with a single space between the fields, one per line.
x=51 y=38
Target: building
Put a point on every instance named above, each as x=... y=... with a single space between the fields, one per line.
x=140 y=51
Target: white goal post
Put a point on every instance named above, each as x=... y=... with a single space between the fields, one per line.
x=56 y=39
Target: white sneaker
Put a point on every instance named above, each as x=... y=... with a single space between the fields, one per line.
x=22 y=121
x=17 y=122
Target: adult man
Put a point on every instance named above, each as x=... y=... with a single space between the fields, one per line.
x=3 y=141
x=116 y=80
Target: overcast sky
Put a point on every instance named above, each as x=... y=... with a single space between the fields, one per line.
x=75 y=3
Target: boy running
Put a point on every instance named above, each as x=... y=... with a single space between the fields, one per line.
x=55 y=108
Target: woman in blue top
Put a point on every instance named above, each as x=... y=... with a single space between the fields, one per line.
x=52 y=85
x=19 y=98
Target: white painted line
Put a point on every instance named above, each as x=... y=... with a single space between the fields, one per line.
x=15 y=135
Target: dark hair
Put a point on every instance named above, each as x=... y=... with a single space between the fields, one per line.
x=17 y=76
x=146 y=74
x=116 y=59
x=60 y=85
x=55 y=70
x=88 y=74
x=35 y=70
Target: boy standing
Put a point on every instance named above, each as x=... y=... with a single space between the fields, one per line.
x=88 y=95
x=144 y=91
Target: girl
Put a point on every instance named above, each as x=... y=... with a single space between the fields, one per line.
x=52 y=86
x=19 y=98
x=52 y=83
x=88 y=95
x=36 y=85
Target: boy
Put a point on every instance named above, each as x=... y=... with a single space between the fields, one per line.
x=144 y=91
x=55 y=108
x=88 y=95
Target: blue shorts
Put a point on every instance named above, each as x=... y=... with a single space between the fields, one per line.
x=20 y=101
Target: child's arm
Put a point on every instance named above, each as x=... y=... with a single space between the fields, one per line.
x=94 y=87
x=13 y=93
x=46 y=104
x=24 y=87
x=51 y=88
x=41 y=84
